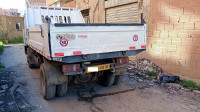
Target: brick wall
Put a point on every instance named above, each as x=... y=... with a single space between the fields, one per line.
x=174 y=37
x=69 y=3
x=99 y=13
x=8 y=25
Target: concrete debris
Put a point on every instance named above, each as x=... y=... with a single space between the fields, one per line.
x=142 y=66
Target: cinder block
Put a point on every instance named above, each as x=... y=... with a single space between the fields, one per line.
x=174 y=19
x=156 y=33
x=157 y=20
x=194 y=74
x=178 y=26
x=158 y=41
x=150 y=33
x=191 y=64
x=198 y=66
x=195 y=18
x=184 y=18
x=197 y=25
x=184 y=71
x=161 y=26
x=175 y=55
x=174 y=4
x=183 y=3
x=183 y=34
x=169 y=26
x=176 y=41
x=195 y=58
x=187 y=41
x=172 y=48
x=189 y=26
x=188 y=10
x=181 y=49
x=173 y=34
x=162 y=61
x=167 y=41
x=169 y=12
x=193 y=49
x=171 y=62
x=196 y=41
x=194 y=34
x=152 y=27
x=193 y=2
x=164 y=34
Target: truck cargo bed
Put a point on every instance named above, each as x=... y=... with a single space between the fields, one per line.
x=86 y=39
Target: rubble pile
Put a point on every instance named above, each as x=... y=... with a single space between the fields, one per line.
x=142 y=66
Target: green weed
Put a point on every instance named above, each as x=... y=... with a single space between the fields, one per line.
x=152 y=73
x=190 y=84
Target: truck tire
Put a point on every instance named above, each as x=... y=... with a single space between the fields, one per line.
x=30 y=58
x=118 y=79
x=47 y=91
x=61 y=89
x=107 y=78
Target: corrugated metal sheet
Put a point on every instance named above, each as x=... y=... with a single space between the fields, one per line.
x=122 y=14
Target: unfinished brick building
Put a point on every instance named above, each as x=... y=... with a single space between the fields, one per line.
x=173 y=29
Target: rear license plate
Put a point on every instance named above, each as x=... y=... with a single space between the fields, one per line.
x=98 y=68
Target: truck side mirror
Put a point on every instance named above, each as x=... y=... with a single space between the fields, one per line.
x=18 y=26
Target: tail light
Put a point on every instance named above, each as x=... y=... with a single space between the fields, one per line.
x=122 y=60
x=71 y=68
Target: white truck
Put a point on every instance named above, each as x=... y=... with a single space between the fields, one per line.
x=67 y=50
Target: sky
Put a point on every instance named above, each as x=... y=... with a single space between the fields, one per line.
x=18 y=4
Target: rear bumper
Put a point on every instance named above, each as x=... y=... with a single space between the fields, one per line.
x=100 y=56
x=83 y=70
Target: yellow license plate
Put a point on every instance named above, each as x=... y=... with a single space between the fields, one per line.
x=98 y=68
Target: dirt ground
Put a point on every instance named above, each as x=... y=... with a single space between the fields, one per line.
x=130 y=96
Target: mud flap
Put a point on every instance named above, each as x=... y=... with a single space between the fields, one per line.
x=54 y=73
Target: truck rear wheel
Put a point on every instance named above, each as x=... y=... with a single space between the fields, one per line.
x=47 y=91
x=61 y=89
x=30 y=58
x=107 y=78
x=118 y=79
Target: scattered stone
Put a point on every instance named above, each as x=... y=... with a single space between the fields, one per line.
x=4 y=87
x=142 y=66
x=11 y=103
x=94 y=109
x=140 y=80
x=1 y=102
x=196 y=91
x=2 y=91
x=22 y=106
x=151 y=84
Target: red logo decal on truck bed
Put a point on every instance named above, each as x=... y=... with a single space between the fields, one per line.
x=63 y=42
